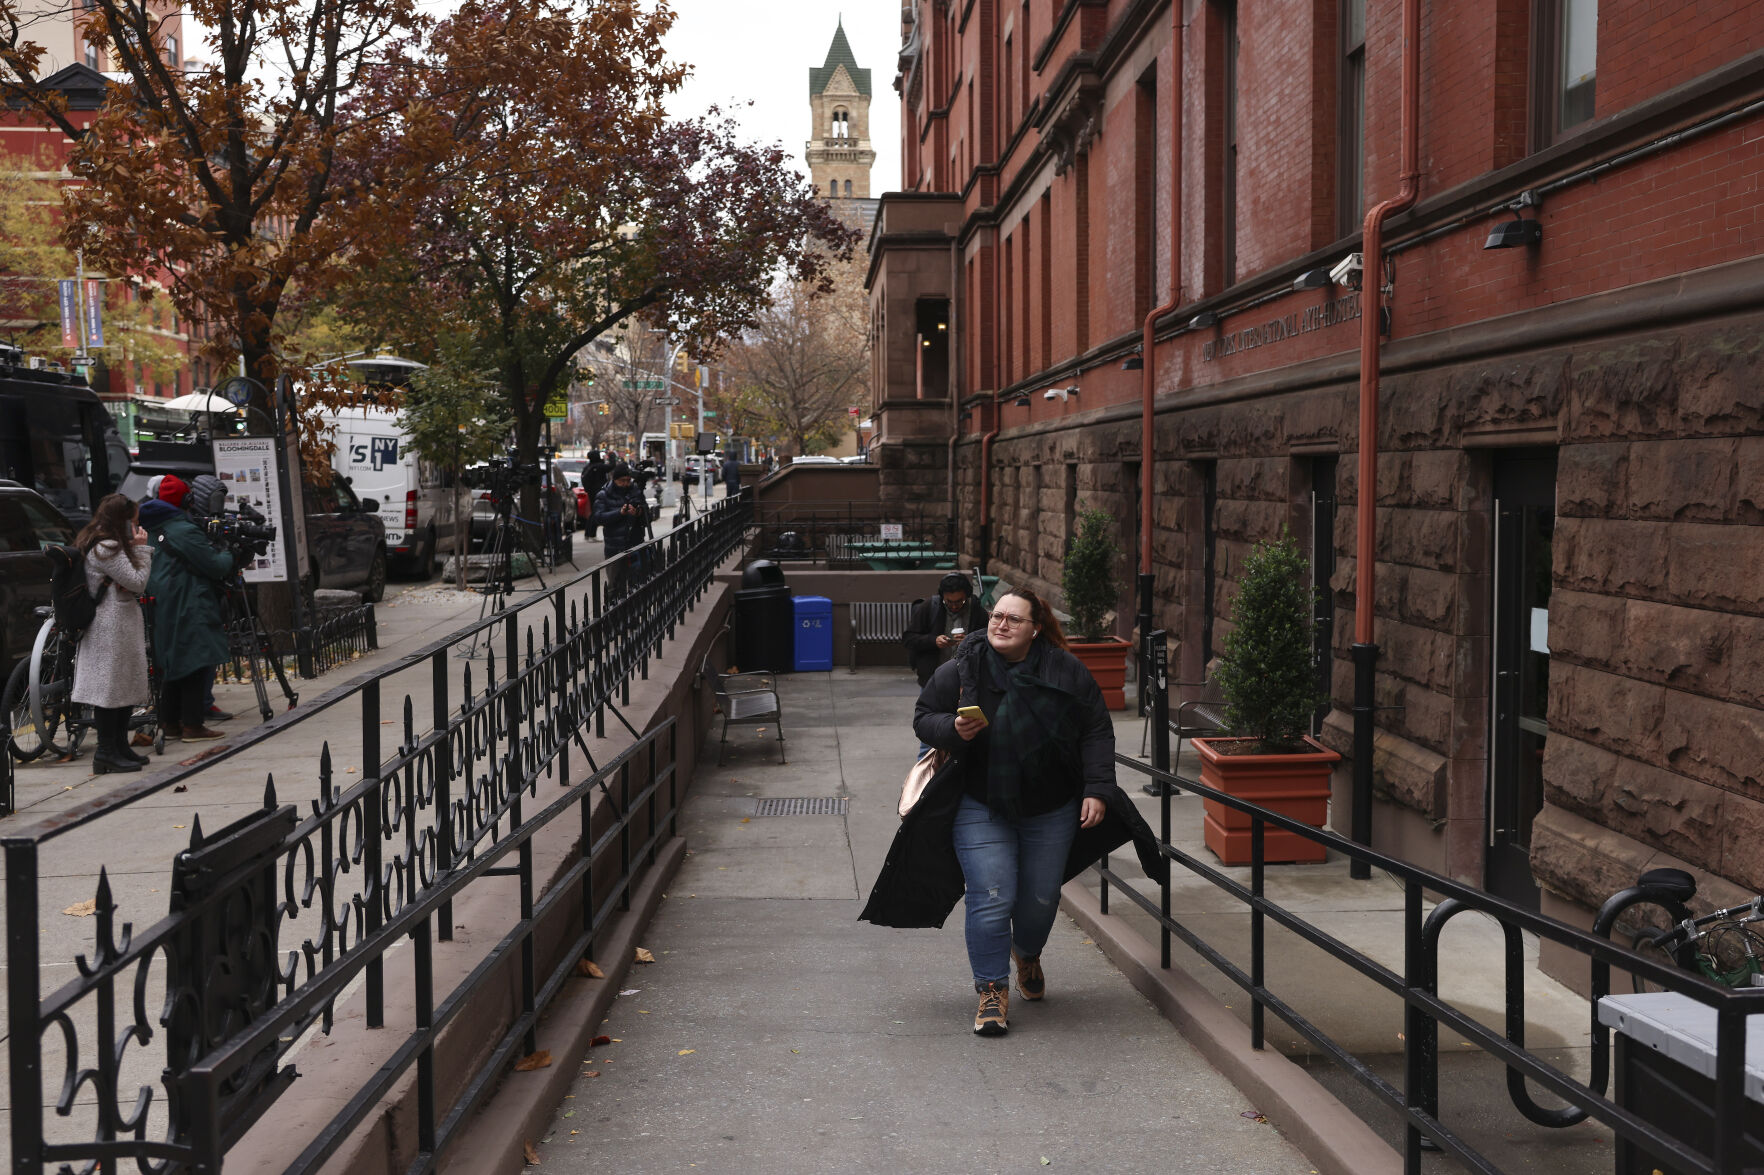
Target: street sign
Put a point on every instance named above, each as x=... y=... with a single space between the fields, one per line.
x=558 y=407
x=646 y=385
x=667 y=400
x=710 y=415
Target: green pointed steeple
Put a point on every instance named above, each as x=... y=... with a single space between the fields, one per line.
x=838 y=54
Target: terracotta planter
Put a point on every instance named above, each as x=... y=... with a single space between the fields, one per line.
x=1107 y=662
x=1294 y=785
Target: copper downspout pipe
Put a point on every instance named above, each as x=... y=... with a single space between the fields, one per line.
x=1371 y=326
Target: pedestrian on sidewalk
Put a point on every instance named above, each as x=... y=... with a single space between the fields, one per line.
x=1027 y=800
x=189 y=639
x=623 y=515
x=110 y=673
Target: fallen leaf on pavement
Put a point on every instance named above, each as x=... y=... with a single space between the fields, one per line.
x=538 y=1060
x=1045 y=1161
x=592 y=1073
x=600 y=1040
x=631 y=991
x=181 y=787
x=83 y=909
x=1254 y=1115
x=685 y=1052
x=530 y=1153
x=569 y=1113
x=351 y=771
x=643 y=956
x=587 y=967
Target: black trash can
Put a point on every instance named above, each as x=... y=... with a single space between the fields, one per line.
x=765 y=620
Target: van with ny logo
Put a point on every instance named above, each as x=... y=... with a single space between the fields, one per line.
x=415 y=499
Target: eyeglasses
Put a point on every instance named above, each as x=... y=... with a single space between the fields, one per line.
x=1006 y=619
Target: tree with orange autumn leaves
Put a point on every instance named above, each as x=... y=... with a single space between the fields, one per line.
x=509 y=171
x=222 y=182
x=573 y=206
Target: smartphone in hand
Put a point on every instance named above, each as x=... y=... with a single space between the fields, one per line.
x=974 y=713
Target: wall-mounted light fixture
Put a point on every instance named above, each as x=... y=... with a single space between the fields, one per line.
x=1313 y=279
x=1205 y=320
x=1022 y=400
x=1134 y=362
x=1518 y=232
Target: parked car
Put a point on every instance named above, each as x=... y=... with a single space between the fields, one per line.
x=416 y=501
x=28 y=525
x=345 y=541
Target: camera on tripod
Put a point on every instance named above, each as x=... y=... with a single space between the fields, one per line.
x=244 y=531
x=502 y=476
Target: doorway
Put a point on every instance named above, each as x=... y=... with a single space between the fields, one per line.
x=1524 y=526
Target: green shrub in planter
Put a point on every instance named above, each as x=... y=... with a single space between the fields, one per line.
x=1265 y=673
x=1088 y=580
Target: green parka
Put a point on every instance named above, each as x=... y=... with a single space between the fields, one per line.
x=185 y=585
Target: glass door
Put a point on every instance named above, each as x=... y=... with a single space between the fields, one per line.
x=1524 y=518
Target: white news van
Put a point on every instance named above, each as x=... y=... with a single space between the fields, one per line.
x=374 y=453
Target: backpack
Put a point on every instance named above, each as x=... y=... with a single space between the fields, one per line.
x=75 y=607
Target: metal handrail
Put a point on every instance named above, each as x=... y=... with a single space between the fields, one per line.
x=1417 y=1101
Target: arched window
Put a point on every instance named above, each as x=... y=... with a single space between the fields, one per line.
x=841 y=128
x=848 y=187
x=832 y=187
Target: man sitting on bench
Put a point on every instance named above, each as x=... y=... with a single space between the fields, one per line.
x=937 y=625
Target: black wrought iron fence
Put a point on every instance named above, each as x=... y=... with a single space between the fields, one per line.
x=1416 y=984
x=272 y=919
x=827 y=530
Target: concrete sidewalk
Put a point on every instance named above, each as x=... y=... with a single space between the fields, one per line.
x=777 y=1033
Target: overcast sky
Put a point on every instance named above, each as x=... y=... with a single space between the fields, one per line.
x=761 y=51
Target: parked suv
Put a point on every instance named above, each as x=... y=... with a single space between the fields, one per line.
x=28 y=525
x=345 y=541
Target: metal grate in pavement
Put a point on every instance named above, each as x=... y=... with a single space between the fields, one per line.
x=802 y=806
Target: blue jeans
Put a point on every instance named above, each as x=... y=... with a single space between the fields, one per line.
x=1013 y=877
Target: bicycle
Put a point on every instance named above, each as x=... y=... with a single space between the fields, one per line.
x=1724 y=946
x=37 y=700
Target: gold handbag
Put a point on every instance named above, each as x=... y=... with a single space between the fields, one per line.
x=918 y=777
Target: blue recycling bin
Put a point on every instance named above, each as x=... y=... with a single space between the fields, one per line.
x=814 y=633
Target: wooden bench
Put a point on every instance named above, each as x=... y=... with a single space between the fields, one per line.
x=877 y=624
x=746 y=699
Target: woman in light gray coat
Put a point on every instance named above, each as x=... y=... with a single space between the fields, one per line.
x=111 y=672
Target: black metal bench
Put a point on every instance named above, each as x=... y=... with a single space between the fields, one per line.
x=746 y=699
x=876 y=623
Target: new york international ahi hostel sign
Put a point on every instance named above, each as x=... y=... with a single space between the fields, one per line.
x=1276 y=330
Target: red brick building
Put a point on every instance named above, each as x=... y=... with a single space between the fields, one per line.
x=1569 y=556
x=75 y=69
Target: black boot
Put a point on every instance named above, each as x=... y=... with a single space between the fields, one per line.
x=112 y=756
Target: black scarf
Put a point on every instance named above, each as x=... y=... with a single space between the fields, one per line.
x=1032 y=743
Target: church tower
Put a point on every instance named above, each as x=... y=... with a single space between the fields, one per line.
x=839 y=154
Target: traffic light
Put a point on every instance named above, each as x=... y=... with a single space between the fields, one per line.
x=601 y=409
x=590 y=380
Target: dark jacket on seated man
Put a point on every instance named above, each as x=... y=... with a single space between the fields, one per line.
x=935 y=617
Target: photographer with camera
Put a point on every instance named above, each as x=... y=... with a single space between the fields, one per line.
x=187 y=578
x=623 y=516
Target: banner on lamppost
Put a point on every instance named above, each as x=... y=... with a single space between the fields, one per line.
x=70 y=312
x=94 y=314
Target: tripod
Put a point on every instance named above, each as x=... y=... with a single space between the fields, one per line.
x=505 y=539
x=256 y=645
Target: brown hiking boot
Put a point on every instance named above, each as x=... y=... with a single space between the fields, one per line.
x=995 y=1003
x=199 y=734
x=1030 y=981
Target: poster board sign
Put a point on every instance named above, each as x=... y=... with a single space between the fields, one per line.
x=246 y=466
x=891 y=532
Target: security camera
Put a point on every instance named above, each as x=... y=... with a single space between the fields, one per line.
x=1060 y=394
x=1346 y=272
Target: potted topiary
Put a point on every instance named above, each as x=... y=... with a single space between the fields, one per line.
x=1091 y=592
x=1268 y=681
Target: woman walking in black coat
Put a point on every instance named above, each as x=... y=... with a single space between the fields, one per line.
x=1036 y=769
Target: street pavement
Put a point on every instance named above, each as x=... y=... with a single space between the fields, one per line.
x=777 y=1033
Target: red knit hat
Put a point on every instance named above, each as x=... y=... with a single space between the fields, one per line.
x=173 y=489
